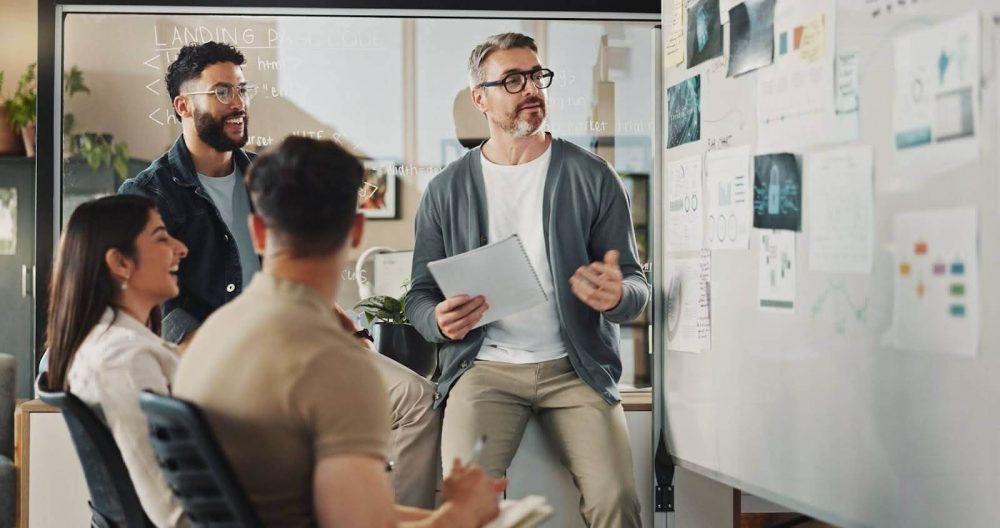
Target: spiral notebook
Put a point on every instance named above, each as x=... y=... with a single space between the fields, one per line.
x=500 y=272
x=528 y=512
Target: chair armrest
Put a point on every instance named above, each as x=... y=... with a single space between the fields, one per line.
x=8 y=492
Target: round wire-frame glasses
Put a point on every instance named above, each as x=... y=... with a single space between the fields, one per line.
x=224 y=92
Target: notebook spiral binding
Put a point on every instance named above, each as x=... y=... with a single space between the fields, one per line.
x=532 y=268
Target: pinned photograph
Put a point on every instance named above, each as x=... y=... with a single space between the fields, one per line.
x=378 y=196
x=684 y=112
x=704 y=32
x=751 y=36
x=777 y=192
x=8 y=221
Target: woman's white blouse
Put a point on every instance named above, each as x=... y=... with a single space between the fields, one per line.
x=120 y=358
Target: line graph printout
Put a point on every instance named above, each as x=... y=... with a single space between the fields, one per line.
x=795 y=95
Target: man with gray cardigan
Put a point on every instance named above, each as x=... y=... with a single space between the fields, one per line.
x=558 y=361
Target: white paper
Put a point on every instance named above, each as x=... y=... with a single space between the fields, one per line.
x=936 y=293
x=676 y=40
x=8 y=221
x=685 y=231
x=724 y=7
x=728 y=198
x=839 y=187
x=795 y=95
x=528 y=512
x=848 y=96
x=501 y=272
x=776 y=271
x=689 y=322
x=935 y=121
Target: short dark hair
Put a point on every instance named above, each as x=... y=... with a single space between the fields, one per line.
x=193 y=59
x=306 y=191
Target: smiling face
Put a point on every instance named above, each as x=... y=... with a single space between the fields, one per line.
x=157 y=259
x=221 y=126
x=521 y=114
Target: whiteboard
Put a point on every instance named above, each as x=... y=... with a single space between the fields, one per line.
x=815 y=410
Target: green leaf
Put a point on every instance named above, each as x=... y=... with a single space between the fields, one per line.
x=73 y=82
x=121 y=168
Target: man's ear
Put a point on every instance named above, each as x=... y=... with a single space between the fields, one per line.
x=357 y=230
x=182 y=105
x=258 y=233
x=121 y=267
x=478 y=96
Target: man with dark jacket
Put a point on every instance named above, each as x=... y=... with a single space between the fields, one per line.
x=198 y=185
x=559 y=360
x=199 y=189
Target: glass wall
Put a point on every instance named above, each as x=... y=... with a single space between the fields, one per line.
x=392 y=90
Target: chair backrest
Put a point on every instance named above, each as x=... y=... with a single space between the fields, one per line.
x=113 y=501
x=194 y=465
x=8 y=386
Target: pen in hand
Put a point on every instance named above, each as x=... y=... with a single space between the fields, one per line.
x=477 y=451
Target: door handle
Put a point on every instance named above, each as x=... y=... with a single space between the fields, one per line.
x=26 y=290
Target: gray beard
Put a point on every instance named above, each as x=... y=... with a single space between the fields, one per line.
x=519 y=127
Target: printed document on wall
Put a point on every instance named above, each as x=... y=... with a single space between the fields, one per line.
x=689 y=322
x=729 y=197
x=676 y=38
x=776 y=271
x=839 y=185
x=935 y=117
x=8 y=221
x=685 y=231
x=795 y=96
x=936 y=286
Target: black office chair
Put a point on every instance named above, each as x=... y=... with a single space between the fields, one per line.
x=113 y=502
x=194 y=465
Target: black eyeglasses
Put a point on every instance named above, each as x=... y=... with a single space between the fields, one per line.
x=515 y=82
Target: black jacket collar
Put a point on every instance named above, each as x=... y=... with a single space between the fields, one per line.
x=182 y=164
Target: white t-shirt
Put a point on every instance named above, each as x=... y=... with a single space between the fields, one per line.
x=514 y=195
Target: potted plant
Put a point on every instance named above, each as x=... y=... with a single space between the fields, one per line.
x=21 y=109
x=98 y=150
x=10 y=142
x=395 y=337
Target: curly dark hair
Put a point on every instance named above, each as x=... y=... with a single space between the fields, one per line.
x=193 y=59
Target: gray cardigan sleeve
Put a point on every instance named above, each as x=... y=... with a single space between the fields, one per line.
x=424 y=294
x=613 y=230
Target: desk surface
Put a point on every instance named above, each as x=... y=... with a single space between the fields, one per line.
x=637 y=401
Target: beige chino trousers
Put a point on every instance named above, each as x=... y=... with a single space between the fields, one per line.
x=416 y=434
x=497 y=399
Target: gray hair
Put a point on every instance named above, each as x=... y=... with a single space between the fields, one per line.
x=502 y=41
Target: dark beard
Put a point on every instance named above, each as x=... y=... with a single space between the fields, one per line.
x=213 y=132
